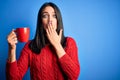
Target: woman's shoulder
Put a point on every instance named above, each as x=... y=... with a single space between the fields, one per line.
x=27 y=43
x=70 y=40
x=26 y=46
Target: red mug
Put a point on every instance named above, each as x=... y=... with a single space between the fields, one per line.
x=23 y=34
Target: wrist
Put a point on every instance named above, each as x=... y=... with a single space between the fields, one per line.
x=12 y=55
x=57 y=45
x=59 y=50
x=12 y=47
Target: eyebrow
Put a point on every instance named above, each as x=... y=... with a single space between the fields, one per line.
x=44 y=12
x=47 y=12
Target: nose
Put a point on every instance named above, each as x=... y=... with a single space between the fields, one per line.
x=50 y=20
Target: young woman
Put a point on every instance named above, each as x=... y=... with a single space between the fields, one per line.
x=50 y=55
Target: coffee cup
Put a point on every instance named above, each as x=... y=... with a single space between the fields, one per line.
x=23 y=34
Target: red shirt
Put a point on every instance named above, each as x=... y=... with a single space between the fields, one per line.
x=46 y=65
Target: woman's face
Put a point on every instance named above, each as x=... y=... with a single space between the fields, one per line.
x=49 y=17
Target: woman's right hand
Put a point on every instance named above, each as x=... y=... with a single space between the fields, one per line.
x=12 y=40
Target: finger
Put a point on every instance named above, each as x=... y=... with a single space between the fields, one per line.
x=11 y=38
x=60 y=33
x=10 y=34
x=48 y=35
x=52 y=26
x=47 y=31
x=15 y=40
x=50 y=29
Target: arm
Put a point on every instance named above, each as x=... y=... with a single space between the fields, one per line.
x=15 y=70
x=69 y=62
x=68 y=58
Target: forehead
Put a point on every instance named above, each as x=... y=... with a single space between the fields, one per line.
x=48 y=9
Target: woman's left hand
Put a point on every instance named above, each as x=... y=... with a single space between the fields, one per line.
x=54 y=38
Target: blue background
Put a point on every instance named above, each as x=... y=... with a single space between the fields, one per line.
x=94 y=24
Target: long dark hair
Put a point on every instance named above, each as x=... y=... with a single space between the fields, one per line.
x=40 y=39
